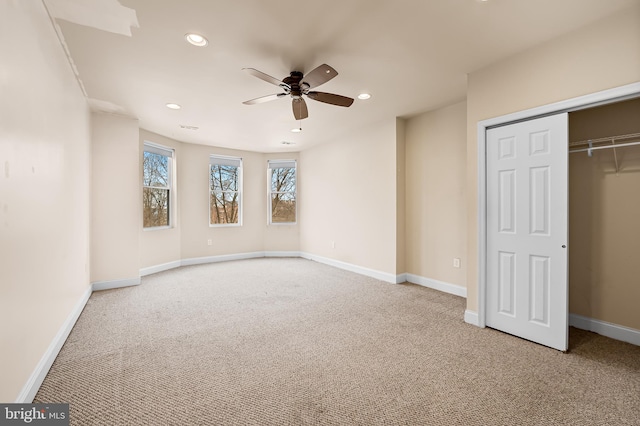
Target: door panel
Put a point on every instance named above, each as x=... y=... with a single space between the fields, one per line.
x=527 y=230
x=506 y=283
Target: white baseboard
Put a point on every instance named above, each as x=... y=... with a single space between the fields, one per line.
x=471 y=317
x=382 y=276
x=607 y=329
x=108 y=285
x=402 y=278
x=454 y=289
x=221 y=258
x=38 y=375
x=604 y=328
x=213 y=259
x=282 y=254
x=159 y=268
x=395 y=279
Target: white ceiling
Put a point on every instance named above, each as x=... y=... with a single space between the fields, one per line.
x=411 y=55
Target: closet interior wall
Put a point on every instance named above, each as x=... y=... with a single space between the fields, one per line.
x=604 y=218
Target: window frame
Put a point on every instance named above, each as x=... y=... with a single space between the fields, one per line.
x=277 y=164
x=215 y=159
x=168 y=152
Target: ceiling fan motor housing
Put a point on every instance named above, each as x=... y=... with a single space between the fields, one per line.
x=294 y=83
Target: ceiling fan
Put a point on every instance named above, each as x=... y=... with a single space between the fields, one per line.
x=298 y=84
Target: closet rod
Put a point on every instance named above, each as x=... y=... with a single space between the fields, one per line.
x=622 y=145
x=607 y=139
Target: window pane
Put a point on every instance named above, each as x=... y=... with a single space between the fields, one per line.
x=224 y=207
x=223 y=178
x=283 y=207
x=155 y=207
x=155 y=170
x=283 y=179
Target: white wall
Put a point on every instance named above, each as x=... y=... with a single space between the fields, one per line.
x=436 y=194
x=194 y=200
x=348 y=195
x=401 y=196
x=44 y=191
x=116 y=211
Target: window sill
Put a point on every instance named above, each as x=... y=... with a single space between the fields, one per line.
x=157 y=228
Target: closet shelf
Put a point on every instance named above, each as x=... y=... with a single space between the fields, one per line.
x=611 y=142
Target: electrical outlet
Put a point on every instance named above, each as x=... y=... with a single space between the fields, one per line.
x=456 y=262
x=209 y=242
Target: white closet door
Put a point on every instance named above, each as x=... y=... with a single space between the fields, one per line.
x=527 y=179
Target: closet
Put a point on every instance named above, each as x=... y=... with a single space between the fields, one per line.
x=604 y=214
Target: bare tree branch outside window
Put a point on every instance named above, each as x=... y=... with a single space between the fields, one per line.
x=156 y=187
x=224 y=199
x=283 y=195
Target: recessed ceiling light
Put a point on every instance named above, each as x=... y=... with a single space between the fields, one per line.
x=173 y=106
x=196 y=39
x=364 y=96
x=297 y=130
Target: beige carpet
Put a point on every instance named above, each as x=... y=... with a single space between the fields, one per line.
x=294 y=342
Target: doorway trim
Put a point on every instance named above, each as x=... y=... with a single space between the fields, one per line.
x=603 y=97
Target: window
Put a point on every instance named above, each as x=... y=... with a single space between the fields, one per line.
x=156 y=185
x=225 y=190
x=282 y=191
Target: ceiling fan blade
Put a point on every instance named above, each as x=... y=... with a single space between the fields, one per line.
x=264 y=99
x=330 y=98
x=319 y=75
x=300 y=111
x=262 y=76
